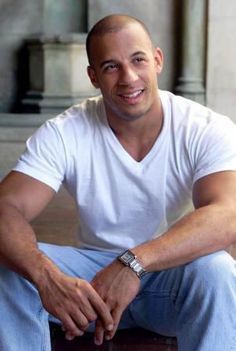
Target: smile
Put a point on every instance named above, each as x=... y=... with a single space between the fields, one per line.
x=132 y=97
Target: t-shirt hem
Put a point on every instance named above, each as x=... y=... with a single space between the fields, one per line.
x=223 y=168
x=55 y=185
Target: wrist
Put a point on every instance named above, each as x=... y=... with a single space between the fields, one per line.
x=130 y=260
x=43 y=270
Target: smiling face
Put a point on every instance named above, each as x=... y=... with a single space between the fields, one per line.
x=124 y=65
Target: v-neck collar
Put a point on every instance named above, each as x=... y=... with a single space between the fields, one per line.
x=123 y=153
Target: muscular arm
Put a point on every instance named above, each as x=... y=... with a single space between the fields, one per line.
x=22 y=198
x=71 y=300
x=210 y=227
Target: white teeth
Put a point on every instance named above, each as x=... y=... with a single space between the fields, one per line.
x=133 y=95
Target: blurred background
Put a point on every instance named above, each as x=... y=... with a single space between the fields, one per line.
x=43 y=64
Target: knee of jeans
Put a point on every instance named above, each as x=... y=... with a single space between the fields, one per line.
x=12 y=283
x=214 y=270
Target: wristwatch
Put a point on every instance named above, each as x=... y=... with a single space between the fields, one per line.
x=131 y=261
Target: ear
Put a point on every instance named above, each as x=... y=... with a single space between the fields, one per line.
x=92 y=77
x=159 y=59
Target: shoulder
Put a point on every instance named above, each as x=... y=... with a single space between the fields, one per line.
x=73 y=124
x=194 y=119
x=201 y=138
x=84 y=114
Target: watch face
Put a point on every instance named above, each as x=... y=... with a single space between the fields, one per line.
x=127 y=256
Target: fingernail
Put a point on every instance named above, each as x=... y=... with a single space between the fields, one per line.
x=110 y=327
x=97 y=342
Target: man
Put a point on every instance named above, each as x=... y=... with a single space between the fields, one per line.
x=150 y=172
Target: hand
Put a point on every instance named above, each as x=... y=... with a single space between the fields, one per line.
x=74 y=302
x=117 y=285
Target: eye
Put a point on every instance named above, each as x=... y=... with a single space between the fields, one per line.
x=139 y=59
x=111 y=67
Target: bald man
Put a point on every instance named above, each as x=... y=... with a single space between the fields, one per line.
x=154 y=179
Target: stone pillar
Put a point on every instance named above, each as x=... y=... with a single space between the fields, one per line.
x=191 y=82
x=65 y=16
x=58 y=77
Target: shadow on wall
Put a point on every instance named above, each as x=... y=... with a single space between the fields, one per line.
x=22 y=78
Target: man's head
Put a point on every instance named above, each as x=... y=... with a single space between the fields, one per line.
x=109 y=24
x=124 y=64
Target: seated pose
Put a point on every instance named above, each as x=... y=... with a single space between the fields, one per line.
x=154 y=179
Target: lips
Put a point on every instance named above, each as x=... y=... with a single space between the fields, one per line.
x=132 y=96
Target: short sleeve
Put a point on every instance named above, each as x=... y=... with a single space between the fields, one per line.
x=44 y=158
x=215 y=147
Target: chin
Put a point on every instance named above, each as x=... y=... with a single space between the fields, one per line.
x=132 y=116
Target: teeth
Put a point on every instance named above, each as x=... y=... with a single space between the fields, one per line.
x=133 y=95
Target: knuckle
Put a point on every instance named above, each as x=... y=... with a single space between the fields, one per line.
x=74 y=330
x=83 y=325
x=67 y=326
x=92 y=317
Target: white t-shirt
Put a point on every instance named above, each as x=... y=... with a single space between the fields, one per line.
x=123 y=202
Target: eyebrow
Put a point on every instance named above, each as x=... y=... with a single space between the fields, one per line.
x=138 y=53
x=106 y=62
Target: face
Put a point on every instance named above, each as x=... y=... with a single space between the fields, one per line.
x=125 y=67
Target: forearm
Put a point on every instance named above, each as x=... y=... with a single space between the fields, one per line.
x=18 y=246
x=206 y=230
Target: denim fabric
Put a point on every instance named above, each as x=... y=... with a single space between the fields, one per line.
x=195 y=302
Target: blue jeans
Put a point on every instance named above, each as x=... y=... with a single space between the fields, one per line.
x=195 y=302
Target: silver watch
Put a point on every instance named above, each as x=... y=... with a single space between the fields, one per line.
x=131 y=261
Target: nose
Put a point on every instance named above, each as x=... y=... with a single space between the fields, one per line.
x=128 y=75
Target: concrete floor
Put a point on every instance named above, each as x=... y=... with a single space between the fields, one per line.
x=58 y=223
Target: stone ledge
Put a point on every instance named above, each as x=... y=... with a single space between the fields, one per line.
x=67 y=38
x=30 y=120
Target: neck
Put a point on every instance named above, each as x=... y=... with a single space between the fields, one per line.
x=138 y=136
x=142 y=127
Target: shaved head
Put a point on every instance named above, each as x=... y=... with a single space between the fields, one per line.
x=111 y=24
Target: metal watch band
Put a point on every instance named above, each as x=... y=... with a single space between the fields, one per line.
x=131 y=261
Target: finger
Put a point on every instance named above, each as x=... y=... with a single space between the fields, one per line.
x=116 y=314
x=88 y=311
x=95 y=301
x=69 y=336
x=99 y=333
x=102 y=310
x=79 y=319
x=70 y=328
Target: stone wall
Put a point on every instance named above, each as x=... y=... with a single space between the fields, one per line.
x=221 y=57
x=14 y=130
x=21 y=19
x=18 y=19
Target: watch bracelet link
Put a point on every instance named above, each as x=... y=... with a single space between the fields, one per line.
x=131 y=261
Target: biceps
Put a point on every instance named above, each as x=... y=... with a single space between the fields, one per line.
x=215 y=188
x=27 y=194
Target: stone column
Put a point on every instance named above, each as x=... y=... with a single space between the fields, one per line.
x=191 y=82
x=58 y=77
x=65 y=16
